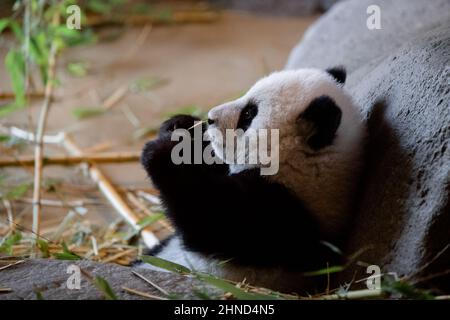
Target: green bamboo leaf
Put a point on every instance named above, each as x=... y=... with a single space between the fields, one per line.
x=71 y=37
x=66 y=254
x=105 y=288
x=163 y=15
x=324 y=271
x=43 y=247
x=238 y=293
x=165 y=264
x=78 y=69
x=406 y=290
x=39 y=295
x=9 y=241
x=146 y=84
x=16 y=192
x=39 y=52
x=8 y=108
x=87 y=112
x=15 y=65
x=4 y=23
x=5 y=138
x=16 y=29
x=149 y=220
x=193 y=110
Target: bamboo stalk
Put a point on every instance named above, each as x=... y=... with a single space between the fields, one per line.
x=11 y=95
x=9 y=212
x=139 y=42
x=115 y=97
x=112 y=195
x=149 y=197
x=38 y=155
x=119 y=255
x=154 y=285
x=142 y=294
x=352 y=295
x=62 y=204
x=29 y=136
x=187 y=16
x=105 y=157
x=11 y=264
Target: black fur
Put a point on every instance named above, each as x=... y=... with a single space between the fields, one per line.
x=325 y=116
x=247 y=115
x=338 y=73
x=241 y=216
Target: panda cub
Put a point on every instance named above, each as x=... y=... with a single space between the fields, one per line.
x=269 y=229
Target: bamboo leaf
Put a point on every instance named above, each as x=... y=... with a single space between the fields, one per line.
x=193 y=110
x=87 y=112
x=406 y=290
x=16 y=29
x=9 y=241
x=235 y=291
x=4 y=23
x=149 y=220
x=17 y=191
x=43 y=247
x=39 y=295
x=105 y=288
x=78 y=69
x=15 y=65
x=146 y=84
x=66 y=254
x=4 y=138
x=103 y=7
x=165 y=264
x=40 y=53
x=324 y=271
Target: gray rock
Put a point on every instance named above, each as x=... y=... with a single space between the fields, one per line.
x=400 y=76
x=341 y=34
x=50 y=278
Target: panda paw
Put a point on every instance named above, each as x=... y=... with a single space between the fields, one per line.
x=177 y=122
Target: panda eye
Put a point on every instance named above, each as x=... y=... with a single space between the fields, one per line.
x=247 y=115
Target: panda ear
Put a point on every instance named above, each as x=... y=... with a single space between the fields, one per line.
x=325 y=117
x=338 y=73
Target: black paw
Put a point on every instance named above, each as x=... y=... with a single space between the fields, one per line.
x=177 y=122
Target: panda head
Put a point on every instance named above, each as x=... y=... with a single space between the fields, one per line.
x=309 y=107
x=320 y=136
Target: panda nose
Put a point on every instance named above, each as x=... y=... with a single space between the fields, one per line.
x=210 y=121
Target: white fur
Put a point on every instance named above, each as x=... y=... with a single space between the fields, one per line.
x=326 y=180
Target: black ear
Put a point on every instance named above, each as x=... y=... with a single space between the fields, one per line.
x=325 y=117
x=338 y=73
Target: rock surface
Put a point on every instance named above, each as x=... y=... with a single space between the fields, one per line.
x=400 y=76
x=49 y=277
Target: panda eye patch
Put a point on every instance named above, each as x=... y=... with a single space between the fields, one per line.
x=247 y=115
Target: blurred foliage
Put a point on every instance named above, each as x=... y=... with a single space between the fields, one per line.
x=35 y=29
